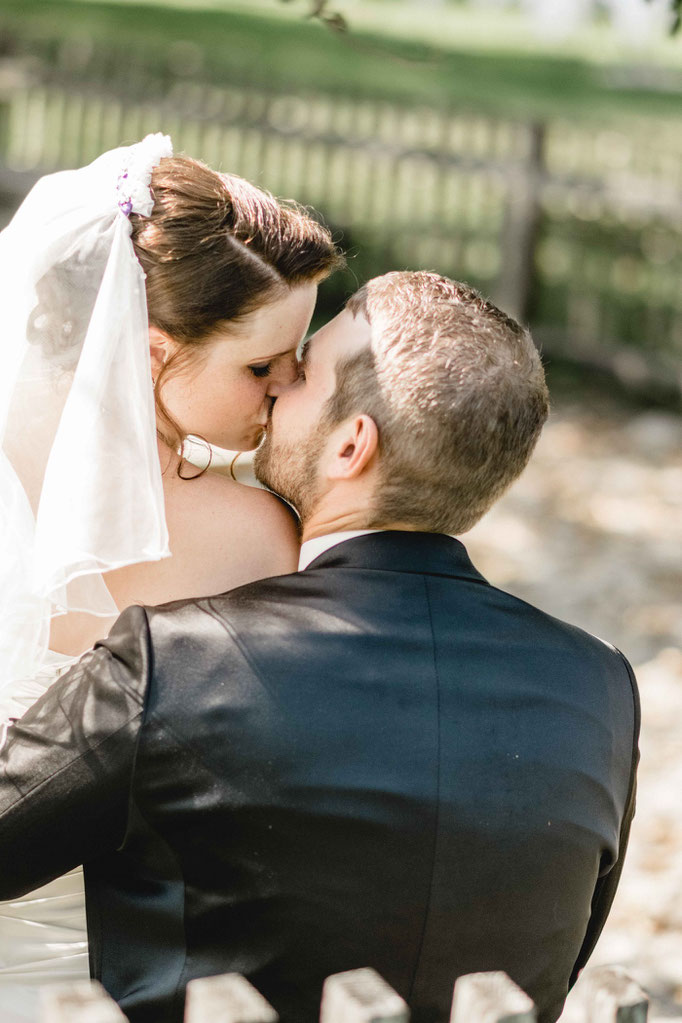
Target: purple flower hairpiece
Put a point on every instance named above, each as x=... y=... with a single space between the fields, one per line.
x=125 y=203
x=134 y=181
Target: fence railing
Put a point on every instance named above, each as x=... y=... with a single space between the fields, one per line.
x=609 y=995
x=575 y=228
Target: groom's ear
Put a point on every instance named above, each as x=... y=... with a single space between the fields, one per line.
x=161 y=347
x=356 y=444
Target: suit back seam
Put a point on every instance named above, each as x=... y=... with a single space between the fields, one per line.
x=436 y=827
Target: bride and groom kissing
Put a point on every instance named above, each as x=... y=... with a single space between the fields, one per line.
x=302 y=748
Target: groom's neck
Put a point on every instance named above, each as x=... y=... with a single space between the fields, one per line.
x=340 y=507
x=328 y=518
x=341 y=524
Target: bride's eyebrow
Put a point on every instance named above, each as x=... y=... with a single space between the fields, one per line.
x=270 y=358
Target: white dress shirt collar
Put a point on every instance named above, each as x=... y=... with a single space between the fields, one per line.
x=312 y=549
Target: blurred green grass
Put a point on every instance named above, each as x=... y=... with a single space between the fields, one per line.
x=393 y=51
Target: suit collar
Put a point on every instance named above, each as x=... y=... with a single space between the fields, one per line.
x=400 y=551
x=312 y=549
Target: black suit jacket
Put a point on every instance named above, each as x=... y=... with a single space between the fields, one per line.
x=382 y=760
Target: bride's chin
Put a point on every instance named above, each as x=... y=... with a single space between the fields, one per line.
x=250 y=444
x=262 y=434
x=249 y=440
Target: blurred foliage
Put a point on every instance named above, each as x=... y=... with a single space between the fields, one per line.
x=231 y=44
x=677 y=12
x=320 y=9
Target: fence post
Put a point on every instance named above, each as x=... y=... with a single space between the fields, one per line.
x=610 y=995
x=361 y=996
x=490 y=998
x=521 y=224
x=83 y=1001
x=228 y=998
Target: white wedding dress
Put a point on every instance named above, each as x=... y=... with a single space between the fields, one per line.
x=43 y=935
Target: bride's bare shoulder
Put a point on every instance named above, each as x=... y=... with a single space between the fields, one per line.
x=246 y=512
x=222 y=534
x=250 y=531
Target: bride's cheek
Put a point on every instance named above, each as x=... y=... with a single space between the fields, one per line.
x=243 y=398
x=257 y=393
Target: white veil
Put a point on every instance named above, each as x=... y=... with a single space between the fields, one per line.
x=80 y=481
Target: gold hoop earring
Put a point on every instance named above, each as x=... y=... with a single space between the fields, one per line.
x=201 y=471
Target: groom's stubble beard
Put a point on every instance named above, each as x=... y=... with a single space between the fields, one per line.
x=292 y=469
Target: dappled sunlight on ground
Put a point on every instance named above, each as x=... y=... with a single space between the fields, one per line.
x=593 y=533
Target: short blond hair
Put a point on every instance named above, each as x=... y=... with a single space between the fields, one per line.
x=457 y=391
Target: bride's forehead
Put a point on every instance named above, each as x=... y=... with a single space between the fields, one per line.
x=286 y=314
x=257 y=339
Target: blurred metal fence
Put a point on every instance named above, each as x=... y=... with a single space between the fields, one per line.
x=575 y=227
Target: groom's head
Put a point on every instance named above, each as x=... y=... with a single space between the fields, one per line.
x=416 y=408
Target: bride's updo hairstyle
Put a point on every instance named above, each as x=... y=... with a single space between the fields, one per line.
x=215 y=249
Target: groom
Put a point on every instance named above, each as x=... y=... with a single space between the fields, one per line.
x=381 y=760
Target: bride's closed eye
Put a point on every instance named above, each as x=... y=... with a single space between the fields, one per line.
x=261 y=371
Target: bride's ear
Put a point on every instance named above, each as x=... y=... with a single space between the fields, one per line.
x=161 y=348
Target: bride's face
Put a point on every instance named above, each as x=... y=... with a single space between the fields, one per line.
x=225 y=393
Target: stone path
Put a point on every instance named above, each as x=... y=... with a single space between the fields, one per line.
x=592 y=533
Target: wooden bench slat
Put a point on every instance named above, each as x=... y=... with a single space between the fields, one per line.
x=610 y=995
x=83 y=1001
x=361 y=996
x=228 y=998
x=490 y=998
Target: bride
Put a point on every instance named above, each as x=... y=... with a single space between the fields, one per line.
x=145 y=298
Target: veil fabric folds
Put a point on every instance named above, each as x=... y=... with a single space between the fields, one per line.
x=80 y=480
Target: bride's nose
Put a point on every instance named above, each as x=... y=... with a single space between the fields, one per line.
x=282 y=377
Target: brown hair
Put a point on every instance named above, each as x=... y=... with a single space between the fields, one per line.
x=458 y=394
x=216 y=248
